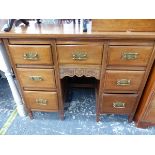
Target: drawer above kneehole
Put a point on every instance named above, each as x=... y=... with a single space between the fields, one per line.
x=80 y=54
x=129 y=55
x=31 y=54
x=36 y=78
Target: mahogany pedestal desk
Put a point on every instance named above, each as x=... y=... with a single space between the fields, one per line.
x=120 y=62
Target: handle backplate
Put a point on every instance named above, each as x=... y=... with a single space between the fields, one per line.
x=123 y=82
x=36 y=78
x=79 y=56
x=41 y=101
x=130 y=55
x=31 y=56
x=119 y=104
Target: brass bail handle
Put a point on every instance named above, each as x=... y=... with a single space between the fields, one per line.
x=79 y=56
x=119 y=104
x=41 y=101
x=36 y=78
x=123 y=82
x=31 y=56
x=130 y=55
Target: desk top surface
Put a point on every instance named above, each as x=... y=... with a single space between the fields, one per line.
x=35 y=30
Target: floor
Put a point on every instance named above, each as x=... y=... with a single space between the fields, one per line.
x=79 y=118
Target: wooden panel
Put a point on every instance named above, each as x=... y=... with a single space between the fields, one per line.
x=146 y=110
x=41 y=100
x=147 y=25
x=126 y=101
x=114 y=80
x=80 y=70
x=150 y=114
x=37 y=78
x=29 y=41
x=79 y=41
x=127 y=68
x=34 y=66
x=129 y=55
x=43 y=52
x=131 y=42
x=93 y=54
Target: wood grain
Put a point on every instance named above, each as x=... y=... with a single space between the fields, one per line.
x=116 y=53
x=94 y=54
x=123 y=25
x=44 y=54
x=47 y=75
x=146 y=110
x=112 y=76
x=109 y=99
x=29 y=41
x=51 y=97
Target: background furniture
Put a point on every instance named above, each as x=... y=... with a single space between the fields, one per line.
x=145 y=115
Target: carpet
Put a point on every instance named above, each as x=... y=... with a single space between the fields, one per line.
x=80 y=118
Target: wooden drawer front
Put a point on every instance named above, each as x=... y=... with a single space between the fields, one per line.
x=129 y=55
x=118 y=103
x=80 y=54
x=31 y=54
x=37 y=78
x=123 y=80
x=41 y=100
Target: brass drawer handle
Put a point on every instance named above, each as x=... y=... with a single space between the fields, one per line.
x=36 y=78
x=31 y=56
x=41 y=101
x=79 y=56
x=118 y=104
x=123 y=82
x=129 y=55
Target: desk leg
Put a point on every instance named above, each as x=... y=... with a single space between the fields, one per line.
x=130 y=118
x=30 y=114
x=97 y=105
x=62 y=116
